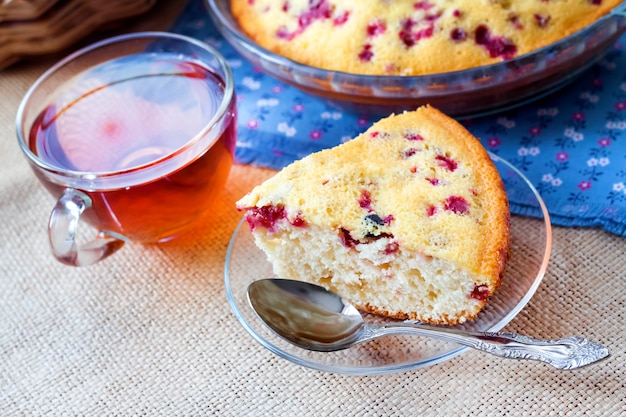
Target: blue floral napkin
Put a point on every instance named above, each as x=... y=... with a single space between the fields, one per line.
x=570 y=145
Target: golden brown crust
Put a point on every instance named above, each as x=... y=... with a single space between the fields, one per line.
x=443 y=319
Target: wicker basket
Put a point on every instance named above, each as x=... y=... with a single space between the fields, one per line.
x=37 y=27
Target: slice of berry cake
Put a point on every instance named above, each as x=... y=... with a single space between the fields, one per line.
x=408 y=220
x=411 y=37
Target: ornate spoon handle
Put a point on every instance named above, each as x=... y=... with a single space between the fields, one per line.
x=567 y=353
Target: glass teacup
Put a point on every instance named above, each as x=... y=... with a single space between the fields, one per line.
x=134 y=135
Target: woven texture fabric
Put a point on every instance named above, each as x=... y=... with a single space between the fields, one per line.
x=149 y=331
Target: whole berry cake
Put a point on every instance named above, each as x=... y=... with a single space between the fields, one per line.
x=409 y=37
x=408 y=220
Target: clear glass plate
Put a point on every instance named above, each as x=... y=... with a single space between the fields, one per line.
x=531 y=241
x=469 y=93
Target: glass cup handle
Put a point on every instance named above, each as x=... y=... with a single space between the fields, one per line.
x=62 y=232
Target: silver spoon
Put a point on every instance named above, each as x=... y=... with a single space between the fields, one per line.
x=314 y=318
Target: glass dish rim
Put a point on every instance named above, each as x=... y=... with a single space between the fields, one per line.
x=405 y=367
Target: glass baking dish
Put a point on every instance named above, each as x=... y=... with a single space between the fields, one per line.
x=471 y=92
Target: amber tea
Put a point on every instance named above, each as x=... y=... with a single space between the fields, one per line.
x=133 y=122
x=137 y=144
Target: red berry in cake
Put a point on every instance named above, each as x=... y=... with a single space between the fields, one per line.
x=447 y=162
x=424 y=33
x=266 y=216
x=341 y=18
x=431 y=211
x=366 y=54
x=346 y=238
x=480 y=292
x=376 y=27
x=515 y=21
x=458 y=35
x=365 y=200
x=298 y=221
x=497 y=46
x=542 y=21
x=433 y=17
x=284 y=33
x=413 y=136
x=317 y=10
x=392 y=247
x=423 y=5
x=433 y=181
x=320 y=9
x=409 y=35
x=405 y=34
x=457 y=205
x=409 y=153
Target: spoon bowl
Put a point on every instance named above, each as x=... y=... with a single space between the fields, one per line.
x=306 y=315
x=313 y=318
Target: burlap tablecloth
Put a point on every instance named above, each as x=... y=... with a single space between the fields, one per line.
x=149 y=331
